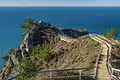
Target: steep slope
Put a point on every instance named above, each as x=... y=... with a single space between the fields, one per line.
x=80 y=53
x=70 y=49
x=75 y=54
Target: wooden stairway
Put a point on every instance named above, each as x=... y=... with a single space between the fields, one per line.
x=102 y=73
x=102 y=69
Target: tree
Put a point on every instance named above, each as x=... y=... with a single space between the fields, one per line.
x=11 y=51
x=28 y=25
x=112 y=33
x=42 y=53
x=26 y=67
x=5 y=58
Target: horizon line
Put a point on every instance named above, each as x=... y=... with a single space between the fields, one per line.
x=59 y=5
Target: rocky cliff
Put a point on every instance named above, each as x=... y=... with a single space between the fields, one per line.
x=71 y=47
x=43 y=33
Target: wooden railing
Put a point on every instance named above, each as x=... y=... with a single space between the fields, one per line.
x=51 y=73
x=114 y=73
x=96 y=65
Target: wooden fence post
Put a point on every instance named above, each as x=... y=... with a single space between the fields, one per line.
x=80 y=74
x=46 y=75
x=50 y=75
x=96 y=66
x=51 y=71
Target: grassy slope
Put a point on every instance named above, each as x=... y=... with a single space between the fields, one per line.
x=78 y=54
x=81 y=53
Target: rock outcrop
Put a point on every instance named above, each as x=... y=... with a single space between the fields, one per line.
x=42 y=34
x=7 y=69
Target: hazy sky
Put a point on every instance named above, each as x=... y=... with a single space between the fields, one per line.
x=73 y=2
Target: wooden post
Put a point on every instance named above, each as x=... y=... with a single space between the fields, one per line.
x=50 y=75
x=46 y=75
x=96 y=66
x=51 y=72
x=80 y=74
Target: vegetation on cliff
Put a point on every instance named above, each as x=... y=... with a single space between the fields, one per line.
x=5 y=58
x=112 y=33
x=81 y=53
x=26 y=66
x=47 y=47
x=41 y=53
x=38 y=56
x=29 y=25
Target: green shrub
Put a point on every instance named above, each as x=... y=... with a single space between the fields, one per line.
x=27 y=66
x=112 y=33
x=42 y=53
x=28 y=25
x=11 y=51
x=5 y=58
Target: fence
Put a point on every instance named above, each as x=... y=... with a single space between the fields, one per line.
x=77 y=73
x=73 y=74
x=96 y=66
x=114 y=73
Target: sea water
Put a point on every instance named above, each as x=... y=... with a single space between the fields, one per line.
x=94 y=19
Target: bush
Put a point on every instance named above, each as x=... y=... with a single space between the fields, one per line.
x=5 y=58
x=29 y=25
x=112 y=33
x=11 y=51
x=27 y=66
x=42 y=53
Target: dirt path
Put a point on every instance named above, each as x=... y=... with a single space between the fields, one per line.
x=67 y=39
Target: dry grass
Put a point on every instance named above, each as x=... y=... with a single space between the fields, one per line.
x=81 y=53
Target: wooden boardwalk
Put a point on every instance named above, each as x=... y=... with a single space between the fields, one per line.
x=102 y=73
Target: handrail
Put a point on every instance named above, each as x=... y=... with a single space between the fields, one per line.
x=96 y=65
x=116 y=69
x=110 y=68
x=111 y=71
x=44 y=71
x=73 y=76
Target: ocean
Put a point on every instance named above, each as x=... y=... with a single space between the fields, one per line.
x=94 y=19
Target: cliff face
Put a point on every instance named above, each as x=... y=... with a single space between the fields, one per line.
x=43 y=33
